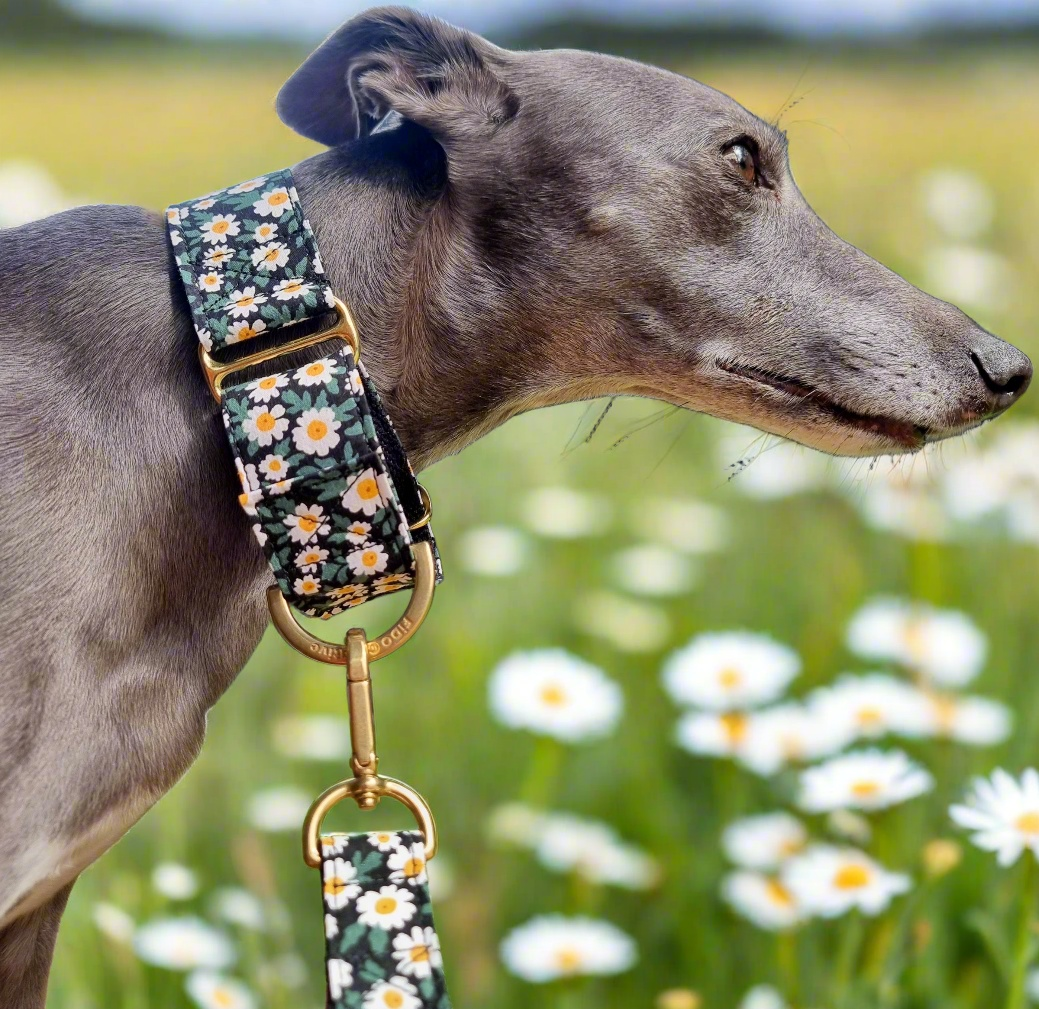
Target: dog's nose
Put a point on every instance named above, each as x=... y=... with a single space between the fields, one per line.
x=1005 y=371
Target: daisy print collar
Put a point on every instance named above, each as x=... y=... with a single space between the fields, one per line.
x=333 y=502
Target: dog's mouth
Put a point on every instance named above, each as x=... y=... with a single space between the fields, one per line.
x=896 y=432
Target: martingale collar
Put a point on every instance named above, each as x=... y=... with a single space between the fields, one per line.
x=335 y=504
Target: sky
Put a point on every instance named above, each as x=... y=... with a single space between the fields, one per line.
x=308 y=20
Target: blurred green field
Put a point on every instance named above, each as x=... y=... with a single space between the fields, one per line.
x=120 y=129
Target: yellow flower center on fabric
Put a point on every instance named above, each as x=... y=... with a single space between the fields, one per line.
x=553 y=695
x=779 y=894
x=385 y=905
x=267 y=383
x=734 y=725
x=393 y=999
x=309 y=585
x=274 y=466
x=220 y=227
x=327 y=840
x=307 y=523
x=311 y=558
x=367 y=489
x=210 y=278
x=334 y=886
x=272 y=255
x=1028 y=823
x=369 y=558
x=247 y=333
x=317 y=429
x=865 y=789
x=292 y=287
x=414 y=867
x=730 y=678
x=569 y=961
x=382 y=838
x=315 y=369
x=851 y=877
x=265 y=422
x=277 y=199
x=266 y=231
x=245 y=301
x=419 y=954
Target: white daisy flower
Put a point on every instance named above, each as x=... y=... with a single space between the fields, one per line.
x=308 y=585
x=274 y=810
x=173 y=216
x=494 y=551
x=945 y=646
x=319 y=372
x=975 y=721
x=730 y=670
x=790 y=734
x=210 y=282
x=114 y=922
x=652 y=570
x=385 y=841
x=331 y=926
x=273 y=466
x=871 y=706
x=247 y=187
x=271 y=256
x=408 y=865
x=183 y=944
x=239 y=332
x=265 y=424
x=593 y=851
x=174 y=881
x=765 y=841
x=340 y=978
x=205 y=338
x=357 y=532
x=397 y=993
x=417 y=953
x=207 y=204
x=628 y=625
x=866 y=779
x=265 y=233
x=219 y=228
x=552 y=947
x=716 y=733
x=274 y=203
x=340 y=886
x=829 y=881
x=259 y=534
x=563 y=513
x=209 y=990
x=684 y=524
x=391 y=908
x=762 y=900
x=316 y=431
x=364 y=495
x=218 y=257
x=556 y=694
x=1003 y=813
x=516 y=823
x=763 y=996
x=307 y=522
x=309 y=559
x=370 y=560
x=238 y=906
x=290 y=288
x=244 y=302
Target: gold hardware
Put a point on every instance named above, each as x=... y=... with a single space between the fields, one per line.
x=344 y=327
x=366 y=788
x=338 y=655
x=427 y=510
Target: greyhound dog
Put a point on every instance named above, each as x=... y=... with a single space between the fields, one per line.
x=512 y=230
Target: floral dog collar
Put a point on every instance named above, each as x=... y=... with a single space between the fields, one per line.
x=336 y=506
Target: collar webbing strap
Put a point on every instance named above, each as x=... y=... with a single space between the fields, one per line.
x=381 y=946
x=322 y=471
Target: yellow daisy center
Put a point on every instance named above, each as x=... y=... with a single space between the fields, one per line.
x=385 y=905
x=335 y=885
x=245 y=301
x=220 y=227
x=272 y=255
x=730 y=678
x=1028 y=823
x=734 y=725
x=870 y=717
x=851 y=877
x=414 y=867
x=317 y=429
x=779 y=894
x=865 y=789
x=553 y=695
x=277 y=199
x=292 y=287
x=268 y=383
x=393 y=999
x=367 y=489
x=265 y=422
x=315 y=369
x=419 y=954
x=222 y=998
x=369 y=558
x=569 y=961
x=307 y=523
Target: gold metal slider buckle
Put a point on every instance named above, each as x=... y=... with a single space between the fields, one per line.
x=344 y=328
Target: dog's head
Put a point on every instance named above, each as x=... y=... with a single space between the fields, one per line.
x=615 y=228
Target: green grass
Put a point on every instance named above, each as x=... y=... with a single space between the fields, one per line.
x=142 y=132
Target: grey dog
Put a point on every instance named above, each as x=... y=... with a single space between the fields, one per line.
x=512 y=230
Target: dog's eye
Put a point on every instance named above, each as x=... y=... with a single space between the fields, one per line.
x=742 y=157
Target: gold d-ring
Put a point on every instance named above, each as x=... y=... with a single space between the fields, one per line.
x=385 y=788
x=325 y=651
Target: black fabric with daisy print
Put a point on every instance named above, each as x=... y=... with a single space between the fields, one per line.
x=382 y=950
x=322 y=471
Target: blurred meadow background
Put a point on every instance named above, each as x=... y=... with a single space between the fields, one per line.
x=598 y=757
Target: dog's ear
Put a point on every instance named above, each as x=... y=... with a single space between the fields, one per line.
x=395 y=59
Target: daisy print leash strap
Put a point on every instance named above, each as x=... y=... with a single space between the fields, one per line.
x=336 y=508
x=335 y=505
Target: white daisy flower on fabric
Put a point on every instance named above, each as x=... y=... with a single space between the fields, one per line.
x=173 y=216
x=554 y=693
x=278 y=809
x=209 y=990
x=974 y=721
x=265 y=232
x=218 y=257
x=274 y=203
x=205 y=338
x=247 y=187
x=417 y=953
x=290 y=288
x=553 y=947
x=273 y=466
x=243 y=303
x=762 y=900
x=652 y=570
x=391 y=908
x=385 y=841
x=764 y=841
x=364 y=495
x=307 y=522
x=219 y=228
x=271 y=256
x=408 y=865
x=319 y=372
x=309 y=559
x=186 y=943
x=871 y=706
x=564 y=513
x=340 y=978
x=210 y=282
x=239 y=332
x=730 y=670
x=789 y=733
x=174 y=881
x=943 y=645
x=340 y=883
x=593 y=851
x=716 y=733
x=1003 y=814
x=334 y=844
x=263 y=390
x=240 y=907
x=114 y=922
x=316 y=431
x=358 y=532
x=308 y=585
x=265 y=424
x=763 y=996
x=397 y=993
x=865 y=779
x=828 y=881
x=371 y=560
x=331 y=926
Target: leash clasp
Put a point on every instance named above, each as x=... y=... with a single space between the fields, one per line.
x=344 y=328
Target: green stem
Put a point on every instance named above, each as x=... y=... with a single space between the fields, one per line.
x=847 y=955
x=539 y=786
x=788 y=964
x=1025 y=944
